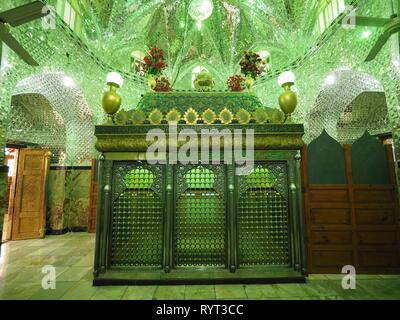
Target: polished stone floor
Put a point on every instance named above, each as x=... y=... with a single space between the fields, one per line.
x=71 y=254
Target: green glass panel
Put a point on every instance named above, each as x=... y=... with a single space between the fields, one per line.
x=261 y=178
x=139 y=178
x=200 y=178
x=200 y=222
x=263 y=221
x=137 y=223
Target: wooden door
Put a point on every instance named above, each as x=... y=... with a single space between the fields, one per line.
x=351 y=206
x=29 y=216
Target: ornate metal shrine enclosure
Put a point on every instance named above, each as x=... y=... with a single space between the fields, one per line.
x=198 y=222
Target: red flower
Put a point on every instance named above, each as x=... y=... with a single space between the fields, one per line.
x=236 y=83
x=162 y=85
x=251 y=64
x=155 y=61
x=147 y=60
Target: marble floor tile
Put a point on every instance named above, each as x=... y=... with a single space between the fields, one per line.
x=109 y=293
x=170 y=293
x=82 y=290
x=291 y=290
x=61 y=260
x=52 y=294
x=31 y=275
x=255 y=292
x=74 y=274
x=200 y=292
x=21 y=291
x=319 y=288
x=357 y=294
x=85 y=261
x=72 y=255
x=234 y=291
x=139 y=293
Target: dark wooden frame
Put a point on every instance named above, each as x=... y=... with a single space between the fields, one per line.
x=93 y=199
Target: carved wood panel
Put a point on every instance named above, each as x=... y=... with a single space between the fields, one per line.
x=354 y=223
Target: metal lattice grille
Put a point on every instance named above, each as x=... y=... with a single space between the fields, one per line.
x=262 y=220
x=200 y=222
x=137 y=222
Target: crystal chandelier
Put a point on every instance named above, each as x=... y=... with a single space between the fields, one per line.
x=201 y=10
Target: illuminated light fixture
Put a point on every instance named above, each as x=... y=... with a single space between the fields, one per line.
x=115 y=78
x=330 y=80
x=111 y=99
x=68 y=82
x=264 y=54
x=286 y=77
x=288 y=99
x=200 y=10
x=366 y=34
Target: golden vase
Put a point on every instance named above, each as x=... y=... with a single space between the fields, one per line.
x=288 y=101
x=248 y=82
x=111 y=102
x=151 y=81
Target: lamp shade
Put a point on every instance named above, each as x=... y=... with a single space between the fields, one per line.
x=286 y=77
x=116 y=78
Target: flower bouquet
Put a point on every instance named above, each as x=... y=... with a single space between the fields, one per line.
x=162 y=85
x=252 y=65
x=236 y=83
x=155 y=62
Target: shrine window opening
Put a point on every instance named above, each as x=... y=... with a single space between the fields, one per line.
x=195 y=72
x=329 y=13
x=69 y=15
x=266 y=56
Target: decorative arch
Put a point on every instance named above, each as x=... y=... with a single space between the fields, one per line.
x=368 y=111
x=68 y=102
x=195 y=71
x=326 y=161
x=369 y=161
x=218 y=77
x=33 y=120
x=338 y=93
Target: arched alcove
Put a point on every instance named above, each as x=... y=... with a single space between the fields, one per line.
x=49 y=110
x=33 y=121
x=349 y=102
x=184 y=78
x=368 y=111
x=69 y=105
